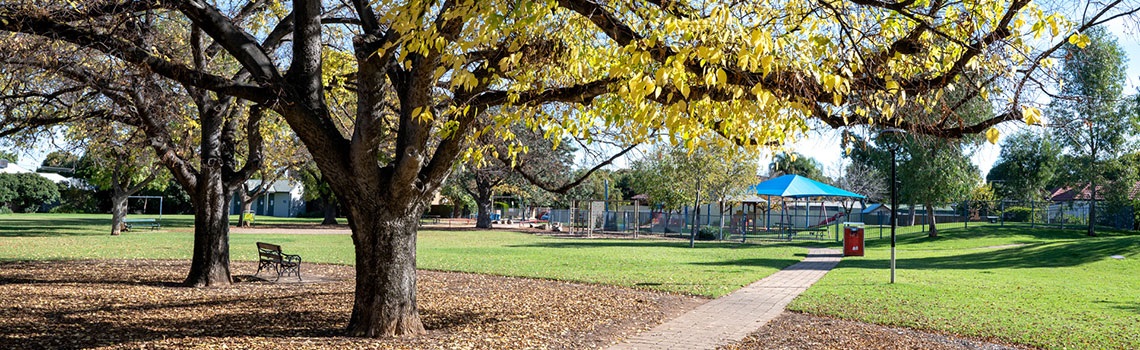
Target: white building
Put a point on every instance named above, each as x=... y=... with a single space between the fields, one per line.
x=12 y=168
x=284 y=199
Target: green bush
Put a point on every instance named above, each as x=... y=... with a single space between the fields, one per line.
x=5 y=210
x=27 y=192
x=1022 y=214
x=76 y=200
x=708 y=233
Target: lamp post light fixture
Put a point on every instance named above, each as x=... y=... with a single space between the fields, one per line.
x=894 y=147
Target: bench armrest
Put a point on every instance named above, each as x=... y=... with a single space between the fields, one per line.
x=291 y=258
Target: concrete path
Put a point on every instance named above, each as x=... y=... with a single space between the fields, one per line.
x=732 y=317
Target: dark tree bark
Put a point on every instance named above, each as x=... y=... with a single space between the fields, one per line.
x=485 y=202
x=121 y=190
x=912 y=214
x=931 y=221
x=385 y=298
x=1093 y=173
x=330 y=209
x=118 y=212
x=210 y=263
x=1092 y=210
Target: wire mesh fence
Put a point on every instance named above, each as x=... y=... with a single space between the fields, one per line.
x=821 y=220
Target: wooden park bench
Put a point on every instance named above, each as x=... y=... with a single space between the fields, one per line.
x=272 y=257
x=152 y=223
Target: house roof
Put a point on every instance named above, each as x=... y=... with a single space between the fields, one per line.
x=13 y=168
x=1067 y=194
x=874 y=207
x=279 y=186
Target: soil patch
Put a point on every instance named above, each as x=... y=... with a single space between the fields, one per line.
x=116 y=304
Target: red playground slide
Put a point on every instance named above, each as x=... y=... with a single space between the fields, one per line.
x=830 y=220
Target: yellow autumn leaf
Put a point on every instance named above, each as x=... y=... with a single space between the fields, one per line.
x=992 y=135
x=1080 y=40
x=1031 y=115
x=892 y=86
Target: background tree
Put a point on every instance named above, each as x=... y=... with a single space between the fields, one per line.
x=542 y=170
x=11 y=157
x=1025 y=167
x=60 y=162
x=77 y=195
x=26 y=192
x=637 y=66
x=864 y=179
x=480 y=182
x=1088 y=116
x=317 y=189
x=120 y=164
x=793 y=163
x=453 y=192
x=932 y=172
x=76 y=85
x=935 y=175
x=670 y=175
x=282 y=154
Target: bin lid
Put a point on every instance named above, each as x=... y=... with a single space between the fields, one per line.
x=859 y=224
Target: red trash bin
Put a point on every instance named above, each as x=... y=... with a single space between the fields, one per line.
x=853 y=240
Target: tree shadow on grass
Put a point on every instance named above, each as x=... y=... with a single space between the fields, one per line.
x=15 y=226
x=1133 y=307
x=1029 y=235
x=56 y=226
x=1033 y=255
x=756 y=262
x=602 y=243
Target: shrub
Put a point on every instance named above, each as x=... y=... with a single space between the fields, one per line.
x=76 y=200
x=1022 y=214
x=27 y=192
x=708 y=233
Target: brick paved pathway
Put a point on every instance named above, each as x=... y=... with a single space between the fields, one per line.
x=732 y=317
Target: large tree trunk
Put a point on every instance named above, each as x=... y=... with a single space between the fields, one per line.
x=385 y=303
x=931 y=222
x=330 y=211
x=912 y=214
x=210 y=264
x=118 y=212
x=486 y=206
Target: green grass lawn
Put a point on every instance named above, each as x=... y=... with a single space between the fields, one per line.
x=1043 y=287
x=713 y=269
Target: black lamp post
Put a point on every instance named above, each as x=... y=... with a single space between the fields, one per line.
x=894 y=147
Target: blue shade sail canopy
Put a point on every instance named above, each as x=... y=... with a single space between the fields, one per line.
x=795 y=186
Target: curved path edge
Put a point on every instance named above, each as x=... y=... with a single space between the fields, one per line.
x=732 y=317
